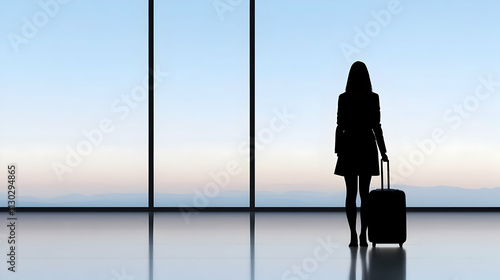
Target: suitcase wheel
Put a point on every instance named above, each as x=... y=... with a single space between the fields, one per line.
x=401 y=245
x=374 y=244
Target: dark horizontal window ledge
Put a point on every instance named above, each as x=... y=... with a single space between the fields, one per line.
x=236 y=209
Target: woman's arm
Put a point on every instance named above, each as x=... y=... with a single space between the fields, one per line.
x=377 y=128
x=339 y=131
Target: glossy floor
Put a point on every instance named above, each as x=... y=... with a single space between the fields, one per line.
x=117 y=246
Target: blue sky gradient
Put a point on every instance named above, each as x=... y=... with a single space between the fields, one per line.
x=423 y=60
x=65 y=79
x=202 y=113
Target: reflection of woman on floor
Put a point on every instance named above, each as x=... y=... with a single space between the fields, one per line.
x=379 y=263
x=356 y=138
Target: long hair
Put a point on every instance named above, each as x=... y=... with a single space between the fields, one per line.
x=359 y=79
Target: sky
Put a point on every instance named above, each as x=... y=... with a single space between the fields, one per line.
x=202 y=113
x=426 y=59
x=75 y=62
x=434 y=64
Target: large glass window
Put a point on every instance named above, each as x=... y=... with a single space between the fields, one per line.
x=436 y=68
x=74 y=100
x=202 y=108
x=73 y=110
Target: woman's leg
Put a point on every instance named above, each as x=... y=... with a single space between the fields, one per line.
x=364 y=189
x=351 y=183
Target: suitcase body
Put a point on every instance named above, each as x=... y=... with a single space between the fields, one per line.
x=387 y=215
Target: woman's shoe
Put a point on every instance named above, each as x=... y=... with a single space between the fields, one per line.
x=362 y=240
x=354 y=241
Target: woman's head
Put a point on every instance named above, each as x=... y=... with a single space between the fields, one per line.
x=359 y=79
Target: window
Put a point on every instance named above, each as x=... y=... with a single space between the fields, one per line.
x=202 y=112
x=74 y=113
x=435 y=67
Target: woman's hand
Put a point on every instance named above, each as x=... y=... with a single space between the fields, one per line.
x=384 y=157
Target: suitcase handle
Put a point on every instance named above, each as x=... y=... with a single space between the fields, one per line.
x=382 y=175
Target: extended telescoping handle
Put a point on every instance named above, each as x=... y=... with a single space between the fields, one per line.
x=382 y=175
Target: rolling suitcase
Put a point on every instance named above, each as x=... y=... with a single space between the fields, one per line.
x=387 y=213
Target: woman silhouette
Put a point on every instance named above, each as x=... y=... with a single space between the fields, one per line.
x=356 y=137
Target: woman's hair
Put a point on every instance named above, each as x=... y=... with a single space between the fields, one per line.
x=359 y=79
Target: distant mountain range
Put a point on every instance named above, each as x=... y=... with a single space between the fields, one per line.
x=440 y=196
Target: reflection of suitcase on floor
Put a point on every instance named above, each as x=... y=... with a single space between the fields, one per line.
x=387 y=213
x=387 y=264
